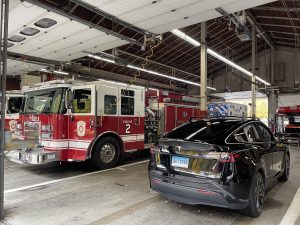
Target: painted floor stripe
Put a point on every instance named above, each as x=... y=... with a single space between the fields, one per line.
x=70 y=178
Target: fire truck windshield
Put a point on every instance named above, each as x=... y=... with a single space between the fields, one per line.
x=43 y=101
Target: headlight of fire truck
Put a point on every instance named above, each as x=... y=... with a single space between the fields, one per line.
x=18 y=131
x=47 y=131
x=46 y=135
x=47 y=128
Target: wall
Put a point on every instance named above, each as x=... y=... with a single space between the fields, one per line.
x=12 y=84
x=29 y=80
x=229 y=80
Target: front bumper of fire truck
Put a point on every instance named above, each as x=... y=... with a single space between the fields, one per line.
x=32 y=156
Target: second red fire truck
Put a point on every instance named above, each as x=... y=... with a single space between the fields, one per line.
x=13 y=105
x=96 y=121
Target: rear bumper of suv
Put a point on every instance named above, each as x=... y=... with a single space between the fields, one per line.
x=191 y=190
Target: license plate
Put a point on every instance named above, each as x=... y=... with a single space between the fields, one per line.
x=24 y=157
x=182 y=162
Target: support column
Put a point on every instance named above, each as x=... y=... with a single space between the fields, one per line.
x=3 y=70
x=272 y=66
x=272 y=97
x=272 y=107
x=203 y=68
x=253 y=86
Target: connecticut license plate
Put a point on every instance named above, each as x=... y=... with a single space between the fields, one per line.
x=182 y=162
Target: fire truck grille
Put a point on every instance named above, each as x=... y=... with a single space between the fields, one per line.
x=31 y=130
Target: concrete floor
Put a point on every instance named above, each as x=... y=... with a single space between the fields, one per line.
x=73 y=194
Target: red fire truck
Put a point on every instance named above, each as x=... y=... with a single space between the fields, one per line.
x=96 y=121
x=287 y=123
x=13 y=105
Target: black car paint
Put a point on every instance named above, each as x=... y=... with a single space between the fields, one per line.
x=228 y=190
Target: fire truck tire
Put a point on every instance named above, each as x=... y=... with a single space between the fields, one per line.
x=106 y=153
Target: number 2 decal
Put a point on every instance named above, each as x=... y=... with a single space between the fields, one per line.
x=127 y=131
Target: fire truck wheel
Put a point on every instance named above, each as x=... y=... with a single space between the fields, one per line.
x=106 y=153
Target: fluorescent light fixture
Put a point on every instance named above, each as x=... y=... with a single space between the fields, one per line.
x=101 y=58
x=153 y=89
x=151 y=72
x=44 y=70
x=167 y=76
x=185 y=37
x=217 y=55
x=60 y=72
x=55 y=71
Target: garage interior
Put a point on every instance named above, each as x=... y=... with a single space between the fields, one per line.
x=193 y=54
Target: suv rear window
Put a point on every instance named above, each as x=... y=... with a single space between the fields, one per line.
x=185 y=130
x=212 y=131
x=202 y=130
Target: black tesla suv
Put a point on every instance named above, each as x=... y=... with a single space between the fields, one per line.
x=225 y=162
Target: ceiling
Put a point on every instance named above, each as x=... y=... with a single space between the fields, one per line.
x=69 y=38
x=161 y=16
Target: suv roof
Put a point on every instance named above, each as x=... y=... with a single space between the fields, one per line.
x=225 y=118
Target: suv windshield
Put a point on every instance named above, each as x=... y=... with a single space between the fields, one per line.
x=206 y=131
x=44 y=101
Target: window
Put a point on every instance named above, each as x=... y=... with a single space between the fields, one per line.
x=127 y=102
x=29 y=31
x=82 y=101
x=43 y=101
x=110 y=104
x=265 y=136
x=9 y=44
x=207 y=131
x=245 y=134
x=14 y=105
x=16 y=38
x=45 y=23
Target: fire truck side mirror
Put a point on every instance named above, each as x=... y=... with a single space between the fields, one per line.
x=69 y=99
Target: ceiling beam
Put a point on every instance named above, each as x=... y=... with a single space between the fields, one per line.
x=279 y=25
x=82 y=21
x=270 y=8
x=277 y=18
x=259 y=29
x=33 y=59
x=112 y=18
x=103 y=74
x=281 y=32
x=286 y=43
x=157 y=63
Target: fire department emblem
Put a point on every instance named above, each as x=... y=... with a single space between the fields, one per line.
x=12 y=125
x=80 y=128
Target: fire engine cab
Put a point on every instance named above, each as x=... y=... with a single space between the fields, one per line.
x=287 y=123
x=96 y=121
x=13 y=105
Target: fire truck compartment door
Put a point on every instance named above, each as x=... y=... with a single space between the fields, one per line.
x=83 y=117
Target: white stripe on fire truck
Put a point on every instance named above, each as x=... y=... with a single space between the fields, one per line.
x=132 y=137
x=65 y=144
x=84 y=144
x=55 y=144
x=79 y=144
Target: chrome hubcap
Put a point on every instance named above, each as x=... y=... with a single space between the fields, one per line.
x=259 y=194
x=107 y=153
